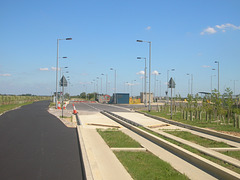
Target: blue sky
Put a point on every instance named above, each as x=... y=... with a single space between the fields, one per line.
x=186 y=35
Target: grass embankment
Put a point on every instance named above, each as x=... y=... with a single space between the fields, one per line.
x=140 y=165
x=197 y=139
x=204 y=124
x=8 y=107
x=193 y=150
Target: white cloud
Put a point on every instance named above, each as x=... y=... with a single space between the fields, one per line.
x=228 y=25
x=140 y=73
x=222 y=27
x=155 y=72
x=43 y=69
x=148 y=28
x=206 y=66
x=54 y=68
x=208 y=30
x=5 y=75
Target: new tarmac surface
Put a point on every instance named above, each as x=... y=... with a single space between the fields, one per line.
x=35 y=145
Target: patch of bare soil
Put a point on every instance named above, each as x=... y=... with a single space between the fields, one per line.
x=228 y=132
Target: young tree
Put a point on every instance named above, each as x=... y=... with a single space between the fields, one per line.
x=228 y=102
x=217 y=102
x=83 y=95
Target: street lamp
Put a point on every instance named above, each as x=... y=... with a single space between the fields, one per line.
x=145 y=80
x=190 y=82
x=150 y=44
x=211 y=81
x=155 y=79
x=132 y=88
x=115 y=84
x=57 y=69
x=97 y=84
x=217 y=62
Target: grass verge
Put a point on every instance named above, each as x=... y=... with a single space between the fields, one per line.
x=197 y=139
x=145 y=166
x=234 y=154
x=193 y=150
x=116 y=138
x=4 y=108
x=204 y=124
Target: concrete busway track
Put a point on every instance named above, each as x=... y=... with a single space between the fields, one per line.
x=97 y=164
x=208 y=166
x=206 y=131
x=145 y=121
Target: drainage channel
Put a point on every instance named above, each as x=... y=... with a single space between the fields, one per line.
x=208 y=166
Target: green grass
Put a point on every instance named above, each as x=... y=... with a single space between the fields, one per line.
x=178 y=117
x=116 y=138
x=52 y=104
x=234 y=154
x=193 y=150
x=197 y=139
x=145 y=166
x=4 y=108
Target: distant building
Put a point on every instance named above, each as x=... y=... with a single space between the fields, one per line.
x=142 y=96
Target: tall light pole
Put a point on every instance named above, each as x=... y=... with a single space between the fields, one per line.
x=190 y=82
x=150 y=44
x=101 y=83
x=217 y=62
x=155 y=73
x=57 y=68
x=234 y=82
x=106 y=81
x=211 y=81
x=115 y=84
x=145 y=80
x=97 y=84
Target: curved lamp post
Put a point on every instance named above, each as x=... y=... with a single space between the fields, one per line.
x=57 y=69
x=150 y=44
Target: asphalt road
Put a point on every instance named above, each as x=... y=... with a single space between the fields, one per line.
x=36 y=145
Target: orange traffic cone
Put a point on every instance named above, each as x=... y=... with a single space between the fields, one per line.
x=64 y=106
x=74 y=110
x=59 y=105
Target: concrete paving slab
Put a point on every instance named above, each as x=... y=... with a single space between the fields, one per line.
x=144 y=120
x=88 y=121
x=103 y=162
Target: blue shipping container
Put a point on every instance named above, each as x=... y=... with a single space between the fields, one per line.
x=121 y=98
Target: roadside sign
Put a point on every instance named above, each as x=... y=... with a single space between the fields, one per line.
x=63 y=81
x=171 y=83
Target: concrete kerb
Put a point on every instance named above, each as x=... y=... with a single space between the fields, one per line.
x=208 y=166
x=202 y=149
x=87 y=168
x=214 y=133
